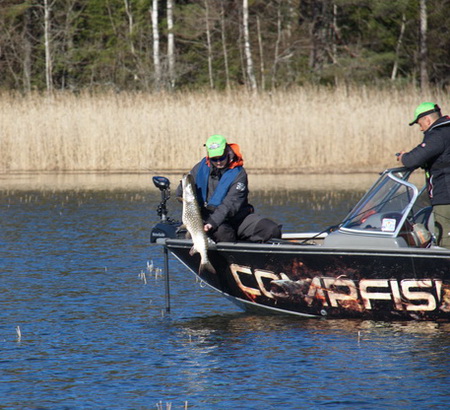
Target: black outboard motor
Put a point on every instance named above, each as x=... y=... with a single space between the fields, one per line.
x=167 y=227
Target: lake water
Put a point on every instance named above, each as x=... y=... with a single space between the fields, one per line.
x=83 y=320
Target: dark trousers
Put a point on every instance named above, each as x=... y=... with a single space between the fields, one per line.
x=442 y=221
x=224 y=233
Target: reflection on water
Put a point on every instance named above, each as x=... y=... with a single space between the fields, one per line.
x=94 y=333
x=359 y=329
x=257 y=182
x=330 y=182
x=297 y=203
x=342 y=364
x=311 y=182
x=138 y=181
x=77 y=182
x=316 y=199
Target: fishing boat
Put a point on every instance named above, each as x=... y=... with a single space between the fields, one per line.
x=381 y=262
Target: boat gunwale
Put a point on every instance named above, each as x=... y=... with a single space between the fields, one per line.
x=304 y=248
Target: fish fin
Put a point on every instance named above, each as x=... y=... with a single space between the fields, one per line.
x=193 y=251
x=207 y=266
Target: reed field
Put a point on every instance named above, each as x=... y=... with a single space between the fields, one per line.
x=307 y=130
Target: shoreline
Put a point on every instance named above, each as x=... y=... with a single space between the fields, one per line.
x=52 y=181
x=171 y=171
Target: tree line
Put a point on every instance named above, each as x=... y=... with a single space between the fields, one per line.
x=148 y=45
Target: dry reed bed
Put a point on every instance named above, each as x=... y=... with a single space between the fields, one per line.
x=306 y=130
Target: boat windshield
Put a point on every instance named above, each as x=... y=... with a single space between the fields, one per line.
x=385 y=207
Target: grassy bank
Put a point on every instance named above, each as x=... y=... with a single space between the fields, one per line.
x=306 y=130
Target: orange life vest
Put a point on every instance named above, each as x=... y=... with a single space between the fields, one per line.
x=238 y=161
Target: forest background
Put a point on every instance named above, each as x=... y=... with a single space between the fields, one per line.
x=138 y=85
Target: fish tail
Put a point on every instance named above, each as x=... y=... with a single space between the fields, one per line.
x=206 y=266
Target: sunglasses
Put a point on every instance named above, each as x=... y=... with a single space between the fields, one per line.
x=218 y=159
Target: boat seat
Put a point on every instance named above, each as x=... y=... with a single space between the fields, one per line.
x=416 y=235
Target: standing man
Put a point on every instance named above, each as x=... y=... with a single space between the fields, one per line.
x=433 y=154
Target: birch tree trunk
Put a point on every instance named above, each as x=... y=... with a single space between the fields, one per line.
x=155 y=32
x=423 y=52
x=27 y=53
x=261 y=54
x=170 y=43
x=247 y=48
x=398 y=47
x=277 y=48
x=290 y=19
x=130 y=25
x=48 y=57
x=224 y=45
x=333 y=36
x=208 y=41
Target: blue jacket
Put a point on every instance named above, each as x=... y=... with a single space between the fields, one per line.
x=222 y=188
x=221 y=201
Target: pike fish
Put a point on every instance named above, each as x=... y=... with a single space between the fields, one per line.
x=193 y=222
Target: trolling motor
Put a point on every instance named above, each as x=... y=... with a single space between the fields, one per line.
x=167 y=227
x=163 y=184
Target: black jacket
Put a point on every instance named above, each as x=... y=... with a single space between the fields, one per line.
x=433 y=154
x=234 y=207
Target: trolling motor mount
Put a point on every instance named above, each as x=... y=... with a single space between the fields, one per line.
x=163 y=184
x=167 y=227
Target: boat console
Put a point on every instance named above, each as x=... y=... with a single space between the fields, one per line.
x=393 y=213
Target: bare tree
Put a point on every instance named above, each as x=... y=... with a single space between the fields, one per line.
x=277 y=47
x=224 y=45
x=130 y=25
x=334 y=35
x=423 y=52
x=27 y=53
x=208 y=41
x=171 y=43
x=247 y=48
x=48 y=56
x=155 y=32
x=398 y=47
x=261 y=54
